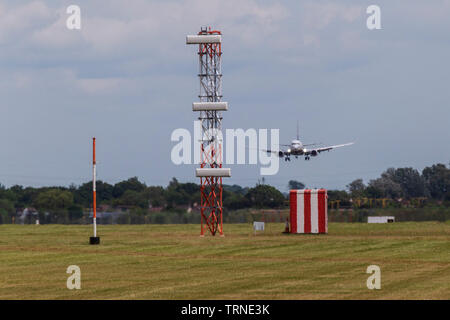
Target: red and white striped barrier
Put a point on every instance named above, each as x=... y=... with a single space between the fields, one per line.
x=309 y=211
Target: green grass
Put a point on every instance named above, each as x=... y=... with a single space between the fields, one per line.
x=173 y=262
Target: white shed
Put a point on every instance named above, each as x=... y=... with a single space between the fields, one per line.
x=382 y=219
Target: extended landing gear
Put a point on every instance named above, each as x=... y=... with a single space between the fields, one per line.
x=307 y=158
x=287 y=159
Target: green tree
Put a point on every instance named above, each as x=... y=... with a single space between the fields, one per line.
x=234 y=201
x=356 y=188
x=133 y=199
x=155 y=196
x=180 y=194
x=384 y=188
x=83 y=194
x=265 y=196
x=131 y=184
x=235 y=189
x=341 y=195
x=55 y=201
x=409 y=179
x=7 y=205
x=437 y=179
x=7 y=210
x=75 y=212
x=296 y=185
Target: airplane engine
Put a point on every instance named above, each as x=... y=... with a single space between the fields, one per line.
x=314 y=153
x=280 y=154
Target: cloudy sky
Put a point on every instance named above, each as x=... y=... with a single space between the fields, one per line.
x=128 y=78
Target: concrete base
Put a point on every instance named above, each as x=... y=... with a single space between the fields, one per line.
x=94 y=240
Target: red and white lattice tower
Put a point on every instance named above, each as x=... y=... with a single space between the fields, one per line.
x=210 y=109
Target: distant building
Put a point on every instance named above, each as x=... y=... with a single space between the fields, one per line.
x=27 y=213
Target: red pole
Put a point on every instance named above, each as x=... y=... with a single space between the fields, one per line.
x=94 y=195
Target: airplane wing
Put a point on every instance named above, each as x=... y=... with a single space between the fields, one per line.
x=316 y=151
x=279 y=153
x=312 y=144
x=305 y=145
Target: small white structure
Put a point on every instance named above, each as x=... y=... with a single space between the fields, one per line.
x=213 y=172
x=210 y=106
x=204 y=38
x=382 y=219
x=258 y=226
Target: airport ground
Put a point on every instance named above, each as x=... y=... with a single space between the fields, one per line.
x=173 y=262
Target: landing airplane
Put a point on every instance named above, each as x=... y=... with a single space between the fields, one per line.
x=297 y=148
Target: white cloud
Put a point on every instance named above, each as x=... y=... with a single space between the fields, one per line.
x=142 y=23
x=318 y=16
x=102 y=85
x=123 y=33
x=16 y=21
x=56 y=36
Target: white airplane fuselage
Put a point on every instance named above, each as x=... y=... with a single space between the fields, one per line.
x=296 y=148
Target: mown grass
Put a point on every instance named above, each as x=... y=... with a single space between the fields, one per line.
x=173 y=262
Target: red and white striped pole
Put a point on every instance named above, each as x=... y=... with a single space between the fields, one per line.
x=94 y=239
x=94 y=194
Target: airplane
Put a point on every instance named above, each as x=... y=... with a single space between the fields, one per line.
x=297 y=148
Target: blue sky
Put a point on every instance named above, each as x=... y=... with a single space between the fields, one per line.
x=128 y=78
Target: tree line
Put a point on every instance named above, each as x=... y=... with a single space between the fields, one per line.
x=73 y=202
x=433 y=183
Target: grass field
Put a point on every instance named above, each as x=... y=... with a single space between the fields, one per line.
x=173 y=262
